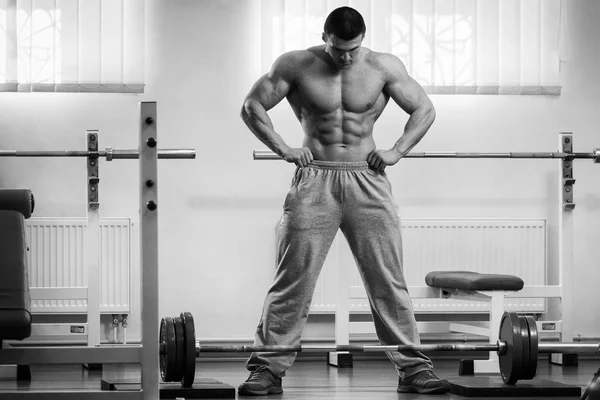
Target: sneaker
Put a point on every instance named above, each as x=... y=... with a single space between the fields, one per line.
x=260 y=382
x=423 y=382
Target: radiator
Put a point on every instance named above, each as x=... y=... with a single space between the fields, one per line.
x=57 y=264
x=504 y=246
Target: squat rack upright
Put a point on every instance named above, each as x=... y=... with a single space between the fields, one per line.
x=146 y=354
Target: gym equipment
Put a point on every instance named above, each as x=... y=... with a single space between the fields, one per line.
x=594 y=155
x=592 y=392
x=517 y=347
x=110 y=154
x=145 y=354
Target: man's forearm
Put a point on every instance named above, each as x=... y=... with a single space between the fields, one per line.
x=257 y=120
x=416 y=127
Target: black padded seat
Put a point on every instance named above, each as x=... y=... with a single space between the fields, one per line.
x=15 y=305
x=467 y=280
x=20 y=200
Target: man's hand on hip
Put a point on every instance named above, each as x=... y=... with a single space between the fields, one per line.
x=379 y=159
x=299 y=156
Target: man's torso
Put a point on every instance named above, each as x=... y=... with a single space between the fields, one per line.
x=338 y=108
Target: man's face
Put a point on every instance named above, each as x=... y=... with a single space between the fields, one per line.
x=343 y=52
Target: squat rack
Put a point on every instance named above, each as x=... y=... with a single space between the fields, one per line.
x=146 y=354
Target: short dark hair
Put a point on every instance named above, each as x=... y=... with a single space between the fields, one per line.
x=345 y=23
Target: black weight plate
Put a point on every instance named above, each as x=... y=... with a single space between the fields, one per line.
x=162 y=340
x=168 y=362
x=511 y=360
x=533 y=349
x=190 y=349
x=526 y=357
x=180 y=341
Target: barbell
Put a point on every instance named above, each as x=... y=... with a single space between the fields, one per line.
x=594 y=155
x=517 y=347
x=109 y=153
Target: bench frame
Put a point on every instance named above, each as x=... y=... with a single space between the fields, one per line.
x=561 y=320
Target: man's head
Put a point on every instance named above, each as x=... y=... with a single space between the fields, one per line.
x=343 y=34
x=346 y=23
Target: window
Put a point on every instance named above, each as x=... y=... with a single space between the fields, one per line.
x=72 y=46
x=448 y=46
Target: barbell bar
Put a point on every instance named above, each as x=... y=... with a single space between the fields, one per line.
x=499 y=347
x=425 y=348
x=110 y=154
x=594 y=155
x=517 y=347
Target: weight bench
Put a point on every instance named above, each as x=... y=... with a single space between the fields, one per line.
x=467 y=285
x=15 y=305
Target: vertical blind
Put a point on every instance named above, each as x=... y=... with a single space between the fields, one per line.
x=72 y=46
x=448 y=46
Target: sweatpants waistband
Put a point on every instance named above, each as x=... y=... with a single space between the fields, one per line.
x=339 y=165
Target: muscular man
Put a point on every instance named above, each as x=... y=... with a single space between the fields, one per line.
x=337 y=91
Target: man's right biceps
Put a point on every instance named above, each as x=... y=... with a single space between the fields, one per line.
x=254 y=106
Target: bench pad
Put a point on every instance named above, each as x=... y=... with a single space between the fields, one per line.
x=15 y=316
x=467 y=280
x=20 y=200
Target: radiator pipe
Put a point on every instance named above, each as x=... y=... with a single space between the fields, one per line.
x=115 y=328
x=124 y=323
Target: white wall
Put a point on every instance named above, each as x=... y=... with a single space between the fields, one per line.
x=217 y=213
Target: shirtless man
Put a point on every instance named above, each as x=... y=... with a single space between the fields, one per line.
x=337 y=91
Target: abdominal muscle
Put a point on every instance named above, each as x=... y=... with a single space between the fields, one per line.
x=340 y=139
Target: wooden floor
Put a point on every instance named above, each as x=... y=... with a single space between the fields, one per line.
x=368 y=380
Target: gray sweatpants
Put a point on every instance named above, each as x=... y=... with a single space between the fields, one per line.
x=325 y=197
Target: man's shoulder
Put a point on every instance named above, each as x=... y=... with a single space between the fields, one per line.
x=291 y=63
x=388 y=64
x=380 y=59
x=299 y=58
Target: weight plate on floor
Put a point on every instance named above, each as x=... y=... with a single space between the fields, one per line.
x=530 y=372
x=180 y=342
x=512 y=359
x=525 y=341
x=190 y=349
x=168 y=363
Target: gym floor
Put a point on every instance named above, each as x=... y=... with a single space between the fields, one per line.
x=307 y=379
